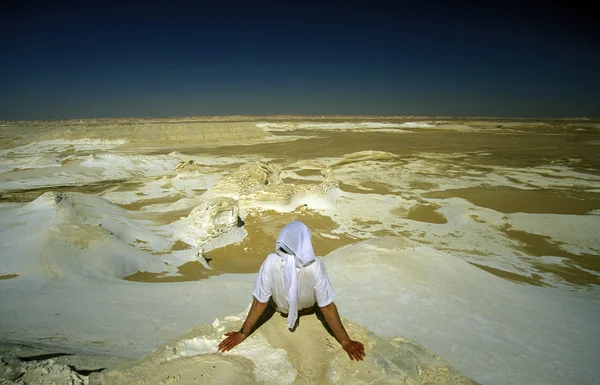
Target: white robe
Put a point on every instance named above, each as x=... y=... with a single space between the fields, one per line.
x=313 y=284
x=293 y=277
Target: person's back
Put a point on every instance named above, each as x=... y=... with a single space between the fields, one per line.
x=313 y=284
x=294 y=279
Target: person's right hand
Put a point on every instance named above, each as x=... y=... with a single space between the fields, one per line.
x=232 y=339
x=355 y=350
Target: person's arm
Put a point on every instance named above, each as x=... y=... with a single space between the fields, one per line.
x=234 y=338
x=355 y=349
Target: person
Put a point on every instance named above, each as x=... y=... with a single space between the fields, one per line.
x=293 y=278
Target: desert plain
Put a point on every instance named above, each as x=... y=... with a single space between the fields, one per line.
x=461 y=249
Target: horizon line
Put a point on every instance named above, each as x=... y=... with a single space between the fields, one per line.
x=298 y=116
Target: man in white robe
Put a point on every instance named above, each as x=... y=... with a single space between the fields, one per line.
x=294 y=280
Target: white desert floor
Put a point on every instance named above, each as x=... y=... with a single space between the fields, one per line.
x=477 y=240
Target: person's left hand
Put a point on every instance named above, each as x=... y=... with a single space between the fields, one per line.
x=355 y=350
x=232 y=339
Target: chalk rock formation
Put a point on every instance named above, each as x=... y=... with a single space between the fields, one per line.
x=259 y=185
x=189 y=166
x=217 y=221
x=248 y=178
x=273 y=355
x=210 y=220
x=64 y=224
x=15 y=371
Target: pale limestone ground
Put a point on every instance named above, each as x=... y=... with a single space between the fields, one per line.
x=314 y=355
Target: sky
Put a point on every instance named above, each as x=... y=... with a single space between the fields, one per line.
x=93 y=59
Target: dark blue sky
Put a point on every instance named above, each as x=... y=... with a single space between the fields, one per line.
x=81 y=59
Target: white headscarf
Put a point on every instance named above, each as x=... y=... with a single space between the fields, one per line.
x=298 y=252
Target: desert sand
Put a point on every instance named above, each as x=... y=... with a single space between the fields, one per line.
x=460 y=250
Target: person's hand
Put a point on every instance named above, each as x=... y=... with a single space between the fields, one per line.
x=355 y=350
x=232 y=339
